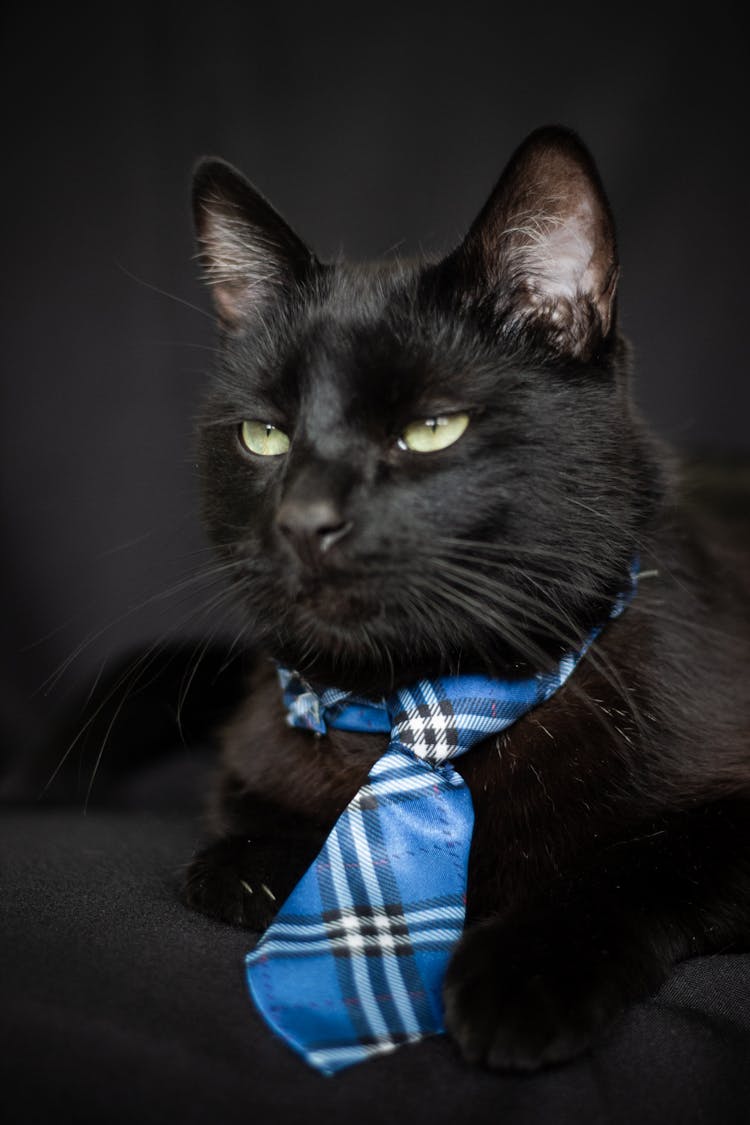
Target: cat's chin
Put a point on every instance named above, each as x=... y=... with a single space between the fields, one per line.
x=340 y=633
x=355 y=651
x=337 y=608
x=375 y=661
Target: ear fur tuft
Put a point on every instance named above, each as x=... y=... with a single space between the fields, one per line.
x=545 y=243
x=251 y=258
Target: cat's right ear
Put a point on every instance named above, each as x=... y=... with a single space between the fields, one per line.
x=251 y=258
x=544 y=245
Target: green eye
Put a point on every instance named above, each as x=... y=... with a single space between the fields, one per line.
x=263 y=439
x=434 y=433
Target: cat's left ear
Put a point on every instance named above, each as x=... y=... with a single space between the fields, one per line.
x=545 y=244
x=251 y=257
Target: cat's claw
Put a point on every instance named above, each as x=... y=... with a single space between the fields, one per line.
x=226 y=881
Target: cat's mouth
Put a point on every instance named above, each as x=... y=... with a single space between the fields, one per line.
x=338 y=601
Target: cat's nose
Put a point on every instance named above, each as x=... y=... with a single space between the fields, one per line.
x=311 y=526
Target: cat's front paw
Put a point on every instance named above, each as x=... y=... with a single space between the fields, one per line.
x=232 y=881
x=539 y=992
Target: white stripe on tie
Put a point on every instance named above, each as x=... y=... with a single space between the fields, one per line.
x=368 y=1004
x=415 y=918
x=392 y=970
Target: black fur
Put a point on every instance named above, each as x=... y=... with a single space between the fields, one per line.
x=612 y=834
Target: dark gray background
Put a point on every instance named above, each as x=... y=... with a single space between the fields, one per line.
x=369 y=127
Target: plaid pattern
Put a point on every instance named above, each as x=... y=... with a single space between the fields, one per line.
x=353 y=964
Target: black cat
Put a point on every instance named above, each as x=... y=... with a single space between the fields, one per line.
x=422 y=467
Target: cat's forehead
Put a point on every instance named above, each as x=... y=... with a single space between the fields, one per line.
x=351 y=330
x=370 y=326
x=362 y=308
x=368 y=288
x=367 y=338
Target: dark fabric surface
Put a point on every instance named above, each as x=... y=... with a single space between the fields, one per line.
x=119 y=1005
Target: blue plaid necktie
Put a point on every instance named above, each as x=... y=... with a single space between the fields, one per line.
x=352 y=966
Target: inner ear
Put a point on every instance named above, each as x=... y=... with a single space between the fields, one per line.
x=251 y=258
x=545 y=243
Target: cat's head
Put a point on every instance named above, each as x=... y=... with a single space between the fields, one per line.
x=421 y=467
